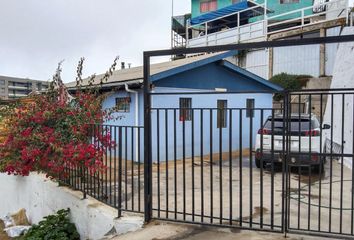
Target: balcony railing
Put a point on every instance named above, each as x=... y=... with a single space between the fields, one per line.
x=265 y=25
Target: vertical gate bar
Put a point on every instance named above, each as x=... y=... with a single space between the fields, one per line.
x=202 y=164
x=106 y=172
x=286 y=115
x=299 y=197
x=93 y=176
x=352 y=211
x=240 y=167
x=147 y=142
x=193 y=188
x=272 y=176
x=175 y=157
x=120 y=152
x=139 y=170
x=331 y=168
x=322 y=162
x=261 y=173
x=220 y=112
x=341 y=168
x=126 y=167
x=115 y=167
x=299 y=184
x=166 y=151
x=158 y=162
x=110 y=166
x=309 y=201
x=310 y=158
x=100 y=176
x=230 y=167
x=132 y=167
x=283 y=155
x=251 y=165
x=211 y=166
x=184 y=162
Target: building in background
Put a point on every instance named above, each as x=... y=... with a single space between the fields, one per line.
x=12 y=87
x=218 y=22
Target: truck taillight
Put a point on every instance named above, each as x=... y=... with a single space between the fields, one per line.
x=312 y=133
x=263 y=131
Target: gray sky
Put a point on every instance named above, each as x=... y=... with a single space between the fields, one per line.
x=37 y=34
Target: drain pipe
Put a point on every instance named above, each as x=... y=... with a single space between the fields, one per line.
x=136 y=116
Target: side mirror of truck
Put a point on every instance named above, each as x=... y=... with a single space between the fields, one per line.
x=326 y=126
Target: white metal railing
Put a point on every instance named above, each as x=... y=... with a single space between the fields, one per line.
x=332 y=10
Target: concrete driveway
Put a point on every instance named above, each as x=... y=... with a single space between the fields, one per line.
x=215 y=193
x=168 y=231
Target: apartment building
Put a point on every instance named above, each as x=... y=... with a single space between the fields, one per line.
x=218 y=22
x=13 y=87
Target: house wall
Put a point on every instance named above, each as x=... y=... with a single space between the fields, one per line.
x=211 y=133
x=209 y=77
x=278 y=8
x=196 y=6
x=198 y=79
x=271 y=4
x=132 y=139
x=343 y=77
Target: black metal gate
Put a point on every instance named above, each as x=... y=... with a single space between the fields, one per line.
x=263 y=168
x=204 y=166
x=267 y=168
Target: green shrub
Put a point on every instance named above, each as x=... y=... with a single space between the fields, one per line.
x=289 y=82
x=54 y=227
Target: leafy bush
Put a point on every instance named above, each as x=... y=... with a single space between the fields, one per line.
x=289 y=82
x=54 y=227
x=54 y=132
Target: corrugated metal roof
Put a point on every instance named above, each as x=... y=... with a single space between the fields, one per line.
x=136 y=73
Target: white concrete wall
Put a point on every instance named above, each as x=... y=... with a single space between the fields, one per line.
x=297 y=60
x=331 y=50
x=257 y=62
x=41 y=197
x=343 y=77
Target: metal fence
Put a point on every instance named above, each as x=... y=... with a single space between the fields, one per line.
x=120 y=184
x=269 y=169
x=281 y=168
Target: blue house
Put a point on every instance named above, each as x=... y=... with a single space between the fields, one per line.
x=187 y=122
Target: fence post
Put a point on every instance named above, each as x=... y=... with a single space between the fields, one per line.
x=286 y=116
x=147 y=142
x=120 y=139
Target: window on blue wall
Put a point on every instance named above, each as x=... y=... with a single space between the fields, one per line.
x=123 y=104
x=185 y=109
x=208 y=5
x=222 y=113
x=250 y=107
x=288 y=1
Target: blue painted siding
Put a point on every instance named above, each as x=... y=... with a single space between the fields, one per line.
x=209 y=129
x=207 y=77
x=121 y=118
x=209 y=104
x=211 y=76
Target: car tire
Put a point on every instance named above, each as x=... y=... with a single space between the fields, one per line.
x=319 y=168
x=258 y=163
